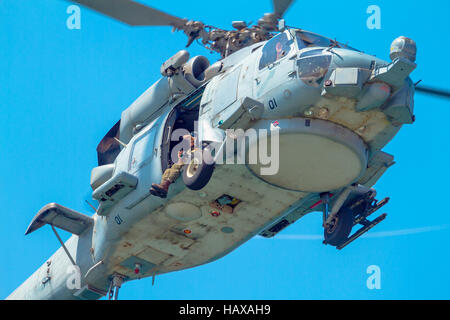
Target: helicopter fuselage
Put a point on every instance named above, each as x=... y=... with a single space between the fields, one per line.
x=334 y=109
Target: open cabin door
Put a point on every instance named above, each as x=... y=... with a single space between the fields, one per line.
x=183 y=116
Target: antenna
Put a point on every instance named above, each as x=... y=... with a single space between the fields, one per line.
x=95 y=210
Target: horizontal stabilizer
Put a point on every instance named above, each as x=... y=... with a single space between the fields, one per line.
x=60 y=217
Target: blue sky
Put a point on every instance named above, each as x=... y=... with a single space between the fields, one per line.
x=61 y=90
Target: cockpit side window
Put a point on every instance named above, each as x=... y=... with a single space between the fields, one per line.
x=275 y=49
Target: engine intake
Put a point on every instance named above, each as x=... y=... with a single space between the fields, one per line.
x=194 y=70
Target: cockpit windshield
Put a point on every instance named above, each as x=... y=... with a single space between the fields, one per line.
x=307 y=39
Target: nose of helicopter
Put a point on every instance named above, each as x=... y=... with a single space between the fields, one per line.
x=375 y=84
x=321 y=154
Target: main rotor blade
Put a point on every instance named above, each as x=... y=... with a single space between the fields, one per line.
x=433 y=91
x=280 y=6
x=132 y=13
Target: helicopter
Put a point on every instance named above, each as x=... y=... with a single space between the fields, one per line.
x=325 y=98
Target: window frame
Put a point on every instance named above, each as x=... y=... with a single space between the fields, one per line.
x=290 y=42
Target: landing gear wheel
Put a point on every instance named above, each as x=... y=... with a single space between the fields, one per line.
x=339 y=229
x=198 y=172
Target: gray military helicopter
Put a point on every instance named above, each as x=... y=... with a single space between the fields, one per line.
x=328 y=109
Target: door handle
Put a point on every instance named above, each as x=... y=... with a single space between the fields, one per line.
x=169 y=133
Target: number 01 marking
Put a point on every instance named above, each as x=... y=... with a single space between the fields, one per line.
x=272 y=104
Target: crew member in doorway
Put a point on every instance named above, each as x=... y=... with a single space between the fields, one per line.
x=171 y=174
